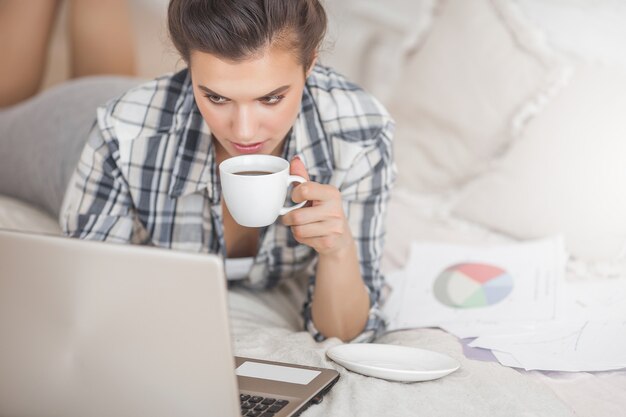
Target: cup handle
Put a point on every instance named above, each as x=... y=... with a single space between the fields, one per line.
x=290 y=179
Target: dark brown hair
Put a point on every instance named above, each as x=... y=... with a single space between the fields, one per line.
x=239 y=29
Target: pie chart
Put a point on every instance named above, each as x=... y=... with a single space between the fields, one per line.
x=472 y=285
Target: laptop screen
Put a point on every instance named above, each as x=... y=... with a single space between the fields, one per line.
x=95 y=329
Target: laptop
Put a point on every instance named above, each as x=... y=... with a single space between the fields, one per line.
x=91 y=329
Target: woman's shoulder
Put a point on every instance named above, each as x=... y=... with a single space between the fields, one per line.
x=152 y=107
x=345 y=109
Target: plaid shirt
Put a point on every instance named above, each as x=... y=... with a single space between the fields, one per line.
x=147 y=175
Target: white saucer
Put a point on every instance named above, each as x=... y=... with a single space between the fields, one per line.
x=392 y=362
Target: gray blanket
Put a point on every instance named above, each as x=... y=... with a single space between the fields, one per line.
x=41 y=138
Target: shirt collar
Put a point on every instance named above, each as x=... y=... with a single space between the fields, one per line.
x=308 y=140
x=194 y=166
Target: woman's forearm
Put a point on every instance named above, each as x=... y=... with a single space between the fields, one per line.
x=340 y=305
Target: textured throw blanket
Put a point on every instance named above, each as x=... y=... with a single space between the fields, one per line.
x=266 y=325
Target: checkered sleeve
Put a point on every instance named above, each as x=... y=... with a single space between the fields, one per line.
x=97 y=203
x=365 y=192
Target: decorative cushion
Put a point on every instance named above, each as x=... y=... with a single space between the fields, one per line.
x=567 y=174
x=367 y=39
x=589 y=31
x=466 y=91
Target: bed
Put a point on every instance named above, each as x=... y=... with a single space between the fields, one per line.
x=267 y=325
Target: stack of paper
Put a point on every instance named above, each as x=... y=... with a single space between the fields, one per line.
x=514 y=300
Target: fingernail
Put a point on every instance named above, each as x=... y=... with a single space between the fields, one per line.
x=296 y=157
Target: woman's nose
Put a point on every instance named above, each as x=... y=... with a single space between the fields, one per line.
x=245 y=125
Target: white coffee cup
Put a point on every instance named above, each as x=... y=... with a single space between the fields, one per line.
x=254 y=188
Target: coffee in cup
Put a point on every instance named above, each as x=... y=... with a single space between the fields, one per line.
x=253 y=173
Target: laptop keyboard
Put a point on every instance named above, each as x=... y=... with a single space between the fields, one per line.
x=256 y=406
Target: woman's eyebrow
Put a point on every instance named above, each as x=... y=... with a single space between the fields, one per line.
x=211 y=92
x=274 y=92
x=277 y=91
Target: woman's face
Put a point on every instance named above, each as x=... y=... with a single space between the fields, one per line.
x=249 y=105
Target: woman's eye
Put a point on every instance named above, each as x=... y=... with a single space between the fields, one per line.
x=216 y=99
x=272 y=99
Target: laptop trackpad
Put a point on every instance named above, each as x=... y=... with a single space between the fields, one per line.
x=277 y=372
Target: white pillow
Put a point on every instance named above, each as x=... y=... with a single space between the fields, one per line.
x=458 y=100
x=17 y=215
x=366 y=39
x=567 y=174
x=585 y=30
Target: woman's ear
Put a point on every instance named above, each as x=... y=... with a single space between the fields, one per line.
x=311 y=66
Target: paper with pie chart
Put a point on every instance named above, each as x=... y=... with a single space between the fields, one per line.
x=445 y=283
x=472 y=285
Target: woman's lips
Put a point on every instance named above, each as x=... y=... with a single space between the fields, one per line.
x=248 y=148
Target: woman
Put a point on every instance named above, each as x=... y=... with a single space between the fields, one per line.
x=149 y=171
